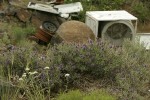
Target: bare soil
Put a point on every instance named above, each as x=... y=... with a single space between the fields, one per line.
x=143 y=28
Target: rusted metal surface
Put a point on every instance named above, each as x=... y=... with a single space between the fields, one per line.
x=46 y=31
x=43 y=35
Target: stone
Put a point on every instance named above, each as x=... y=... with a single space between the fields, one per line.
x=24 y=15
x=74 y=31
x=10 y=10
x=19 y=3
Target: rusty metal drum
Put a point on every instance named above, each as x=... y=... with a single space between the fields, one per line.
x=46 y=31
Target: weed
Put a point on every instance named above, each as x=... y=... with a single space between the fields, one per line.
x=93 y=95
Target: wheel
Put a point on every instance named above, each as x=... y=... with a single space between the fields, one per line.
x=49 y=26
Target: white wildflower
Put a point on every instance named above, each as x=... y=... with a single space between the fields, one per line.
x=67 y=75
x=148 y=90
x=27 y=69
x=32 y=73
x=24 y=75
x=46 y=68
x=41 y=58
x=20 y=79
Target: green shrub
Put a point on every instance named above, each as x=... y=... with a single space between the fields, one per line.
x=93 y=95
x=18 y=33
x=28 y=64
x=141 y=11
x=133 y=76
x=5 y=40
x=71 y=95
x=127 y=67
x=94 y=58
x=99 y=95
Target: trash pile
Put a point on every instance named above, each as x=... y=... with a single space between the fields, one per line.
x=37 y=13
x=48 y=16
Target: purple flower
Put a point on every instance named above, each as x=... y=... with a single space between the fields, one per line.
x=84 y=46
x=90 y=41
x=60 y=66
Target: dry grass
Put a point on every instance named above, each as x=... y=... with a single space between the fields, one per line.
x=144 y=28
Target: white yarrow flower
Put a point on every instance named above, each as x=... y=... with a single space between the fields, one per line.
x=24 y=75
x=46 y=68
x=20 y=79
x=27 y=69
x=42 y=58
x=32 y=73
x=67 y=75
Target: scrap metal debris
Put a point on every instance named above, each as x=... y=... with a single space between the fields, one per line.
x=47 y=30
x=38 y=11
x=63 y=10
x=48 y=17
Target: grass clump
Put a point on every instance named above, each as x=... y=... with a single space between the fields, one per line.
x=71 y=95
x=19 y=33
x=93 y=95
x=99 y=95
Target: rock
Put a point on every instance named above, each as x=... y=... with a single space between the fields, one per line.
x=19 y=3
x=10 y=10
x=24 y=15
x=74 y=31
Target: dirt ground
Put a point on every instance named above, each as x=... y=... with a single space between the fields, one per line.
x=143 y=28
